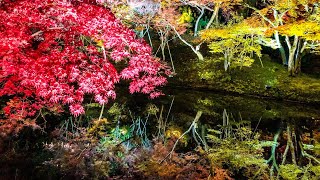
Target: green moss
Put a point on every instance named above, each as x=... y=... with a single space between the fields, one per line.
x=292 y=172
x=239 y=153
x=271 y=79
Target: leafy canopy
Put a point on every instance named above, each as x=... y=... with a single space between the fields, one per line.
x=236 y=42
x=56 y=51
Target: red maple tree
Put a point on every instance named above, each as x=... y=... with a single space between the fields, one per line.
x=56 y=51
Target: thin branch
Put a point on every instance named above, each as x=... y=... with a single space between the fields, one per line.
x=273 y=154
x=255 y=129
x=185 y=42
x=263 y=16
x=170 y=56
x=288 y=42
x=197 y=22
x=303 y=47
x=165 y=123
x=192 y=126
x=305 y=154
x=214 y=15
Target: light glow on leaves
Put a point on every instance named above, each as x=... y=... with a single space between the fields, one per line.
x=56 y=51
x=236 y=43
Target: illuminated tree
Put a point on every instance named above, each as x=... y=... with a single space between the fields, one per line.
x=237 y=43
x=298 y=22
x=55 y=52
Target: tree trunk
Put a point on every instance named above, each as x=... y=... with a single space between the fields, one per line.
x=292 y=57
x=300 y=53
x=214 y=16
x=291 y=63
x=281 y=49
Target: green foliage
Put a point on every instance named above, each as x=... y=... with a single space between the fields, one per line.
x=118 y=112
x=236 y=42
x=315 y=170
x=241 y=152
x=186 y=15
x=152 y=109
x=98 y=127
x=316 y=148
x=126 y=136
x=211 y=70
x=292 y=172
x=115 y=137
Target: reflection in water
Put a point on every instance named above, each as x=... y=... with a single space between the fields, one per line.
x=234 y=136
x=288 y=129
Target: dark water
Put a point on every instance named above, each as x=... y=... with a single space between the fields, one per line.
x=268 y=113
x=25 y=158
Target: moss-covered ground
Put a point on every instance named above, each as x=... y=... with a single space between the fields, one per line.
x=265 y=78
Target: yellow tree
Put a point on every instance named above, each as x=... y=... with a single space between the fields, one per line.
x=305 y=35
x=292 y=20
x=236 y=42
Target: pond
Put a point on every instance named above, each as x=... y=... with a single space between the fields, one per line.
x=175 y=112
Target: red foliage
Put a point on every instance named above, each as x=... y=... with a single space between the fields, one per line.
x=44 y=59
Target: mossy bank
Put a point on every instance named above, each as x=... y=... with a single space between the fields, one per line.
x=265 y=78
